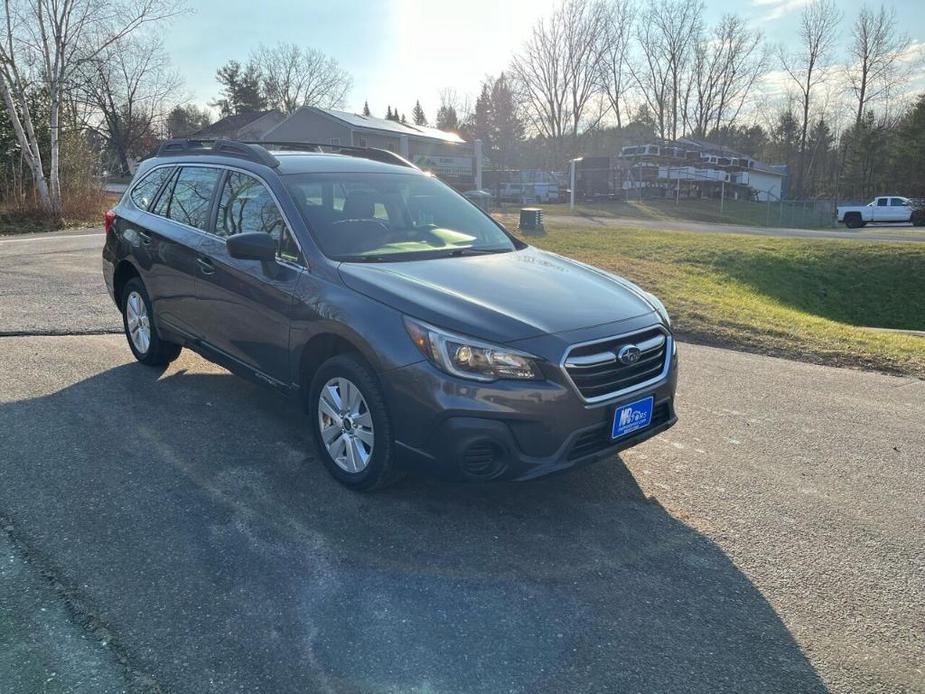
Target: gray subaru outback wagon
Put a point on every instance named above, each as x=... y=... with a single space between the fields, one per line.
x=417 y=331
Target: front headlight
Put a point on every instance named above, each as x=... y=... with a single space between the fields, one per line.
x=659 y=308
x=469 y=358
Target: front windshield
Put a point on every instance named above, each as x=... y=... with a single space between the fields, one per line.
x=380 y=217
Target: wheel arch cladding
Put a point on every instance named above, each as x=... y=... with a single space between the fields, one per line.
x=124 y=272
x=322 y=347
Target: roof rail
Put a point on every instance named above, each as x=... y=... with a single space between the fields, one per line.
x=381 y=155
x=251 y=151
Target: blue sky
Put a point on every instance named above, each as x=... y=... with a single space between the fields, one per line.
x=402 y=50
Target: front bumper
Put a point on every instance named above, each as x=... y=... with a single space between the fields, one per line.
x=509 y=430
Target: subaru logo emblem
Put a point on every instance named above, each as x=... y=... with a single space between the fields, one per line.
x=629 y=354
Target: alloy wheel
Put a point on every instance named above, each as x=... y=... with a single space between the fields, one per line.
x=346 y=424
x=137 y=322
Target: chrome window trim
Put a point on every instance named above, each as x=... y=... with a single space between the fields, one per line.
x=669 y=344
x=226 y=167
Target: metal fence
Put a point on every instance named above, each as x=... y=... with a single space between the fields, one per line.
x=818 y=214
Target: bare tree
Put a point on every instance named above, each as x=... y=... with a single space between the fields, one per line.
x=667 y=34
x=292 y=76
x=614 y=50
x=809 y=65
x=42 y=44
x=727 y=63
x=584 y=24
x=129 y=85
x=540 y=72
x=558 y=71
x=876 y=51
x=460 y=104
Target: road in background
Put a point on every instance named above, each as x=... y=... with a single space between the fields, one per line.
x=894 y=232
x=52 y=284
x=771 y=542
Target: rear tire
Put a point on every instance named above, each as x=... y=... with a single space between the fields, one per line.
x=918 y=218
x=853 y=220
x=139 y=325
x=351 y=424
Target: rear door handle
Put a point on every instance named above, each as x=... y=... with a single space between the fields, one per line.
x=205 y=266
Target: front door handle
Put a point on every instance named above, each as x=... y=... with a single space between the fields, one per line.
x=145 y=239
x=205 y=266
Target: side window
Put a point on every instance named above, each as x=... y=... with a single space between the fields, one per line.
x=246 y=205
x=163 y=202
x=190 y=196
x=144 y=191
x=898 y=202
x=882 y=202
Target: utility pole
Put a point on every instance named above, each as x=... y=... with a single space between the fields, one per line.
x=572 y=166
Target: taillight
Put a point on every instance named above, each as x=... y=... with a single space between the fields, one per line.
x=108 y=220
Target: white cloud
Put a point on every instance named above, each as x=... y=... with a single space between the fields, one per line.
x=775 y=9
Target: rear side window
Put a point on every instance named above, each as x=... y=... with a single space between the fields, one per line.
x=188 y=197
x=144 y=191
x=246 y=206
x=897 y=202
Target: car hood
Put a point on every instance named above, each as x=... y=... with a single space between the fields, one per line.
x=500 y=297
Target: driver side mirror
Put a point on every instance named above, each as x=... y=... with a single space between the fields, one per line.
x=255 y=245
x=252 y=245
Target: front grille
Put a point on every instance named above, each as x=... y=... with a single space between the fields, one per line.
x=598 y=439
x=597 y=372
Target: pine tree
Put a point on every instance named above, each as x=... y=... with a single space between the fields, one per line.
x=240 y=89
x=909 y=152
x=366 y=108
x=403 y=119
x=417 y=114
x=447 y=118
x=388 y=113
x=506 y=124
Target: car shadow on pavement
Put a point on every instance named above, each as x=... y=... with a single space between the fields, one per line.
x=188 y=512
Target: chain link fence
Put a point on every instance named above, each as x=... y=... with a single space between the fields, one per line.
x=805 y=214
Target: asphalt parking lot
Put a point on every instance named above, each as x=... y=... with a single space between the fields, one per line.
x=171 y=531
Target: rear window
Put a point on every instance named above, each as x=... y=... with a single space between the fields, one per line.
x=146 y=189
x=188 y=198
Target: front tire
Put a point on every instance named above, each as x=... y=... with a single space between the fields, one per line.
x=140 y=331
x=351 y=424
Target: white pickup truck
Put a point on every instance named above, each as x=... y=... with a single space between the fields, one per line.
x=886 y=209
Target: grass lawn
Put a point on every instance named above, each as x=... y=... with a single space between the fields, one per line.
x=813 y=300
x=734 y=212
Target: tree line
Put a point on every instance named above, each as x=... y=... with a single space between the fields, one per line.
x=90 y=81
x=599 y=72
x=596 y=75
x=85 y=76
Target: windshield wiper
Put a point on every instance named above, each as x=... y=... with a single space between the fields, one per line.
x=456 y=252
x=366 y=258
